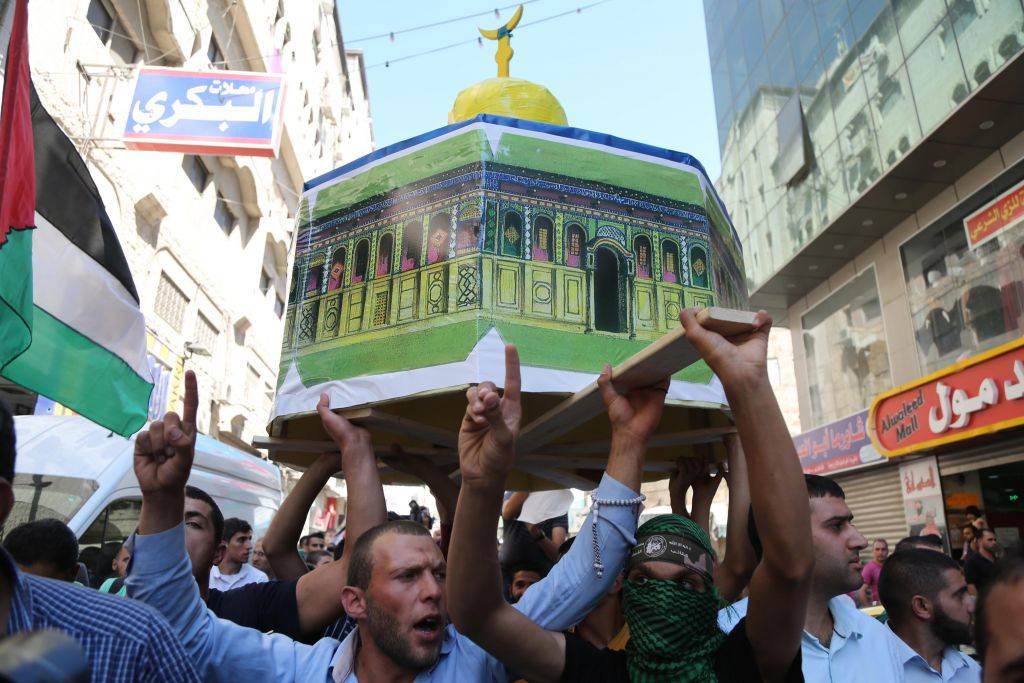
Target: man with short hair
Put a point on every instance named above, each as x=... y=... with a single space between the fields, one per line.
x=314 y=542
x=45 y=547
x=929 y=608
x=840 y=643
x=980 y=567
x=522 y=577
x=259 y=560
x=401 y=615
x=234 y=570
x=301 y=609
x=115 y=584
x=121 y=640
x=869 y=591
x=928 y=542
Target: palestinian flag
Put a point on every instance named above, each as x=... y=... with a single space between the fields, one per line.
x=70 y=324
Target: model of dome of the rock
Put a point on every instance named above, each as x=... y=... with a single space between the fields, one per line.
x=416 y=263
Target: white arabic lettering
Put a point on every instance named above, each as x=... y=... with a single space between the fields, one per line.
x=193 y=108
x=1015 y=390
x=956 y=413
x=150 y=113
x=939 y=423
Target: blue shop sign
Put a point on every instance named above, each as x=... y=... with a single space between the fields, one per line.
x=206 y=112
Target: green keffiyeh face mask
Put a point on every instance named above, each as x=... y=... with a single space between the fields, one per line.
x=673 y=629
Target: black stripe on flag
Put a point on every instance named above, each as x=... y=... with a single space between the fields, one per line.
x=67 y=197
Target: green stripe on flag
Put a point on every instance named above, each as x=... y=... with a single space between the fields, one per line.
x=71 y=369
x=15 y=296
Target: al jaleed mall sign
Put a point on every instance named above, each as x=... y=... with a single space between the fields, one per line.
x=980 y=395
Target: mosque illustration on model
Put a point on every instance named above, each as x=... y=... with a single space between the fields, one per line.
x=578 y=246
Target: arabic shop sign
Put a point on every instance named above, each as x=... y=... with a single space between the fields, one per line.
x=980 y=395
x=206 y=112
x=836 y=446
x=1003 y=212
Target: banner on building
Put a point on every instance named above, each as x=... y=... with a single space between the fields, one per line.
x=980 y=395
x=1001 y=213
x=206 y=112
x=922 y=499
x=836 y=446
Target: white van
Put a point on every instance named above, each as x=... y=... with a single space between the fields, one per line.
x=71 y=469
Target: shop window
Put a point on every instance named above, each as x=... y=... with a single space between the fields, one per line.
x=574 y=240
x=512 y=234
x=542 y=231
x=437 y=244
x=669 y=261
x=336 y=276
x=846 y=354
x=964 y=300
x=642 y=253
x=412 y=245
x=385 y=247
x=362 y=261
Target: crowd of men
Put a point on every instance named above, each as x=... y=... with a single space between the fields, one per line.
x=189 y=597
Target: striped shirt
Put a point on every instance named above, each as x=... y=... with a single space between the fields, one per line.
x=123 y=640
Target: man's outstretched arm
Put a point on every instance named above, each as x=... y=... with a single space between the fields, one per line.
x=282 y=538
x=318 y=592
x=781 y=582
x=486 y=453
x=736 y=568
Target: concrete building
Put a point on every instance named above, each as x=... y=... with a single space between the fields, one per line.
x=860 y=140
x=209 y=239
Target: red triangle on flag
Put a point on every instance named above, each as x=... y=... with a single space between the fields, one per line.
x=17 y=159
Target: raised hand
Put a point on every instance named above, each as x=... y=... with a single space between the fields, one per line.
x=687 y=471
x=347 y=435
x=735 y=360
x=706 y=484
x=636 y=412
x=490 y=426
x=164 y=451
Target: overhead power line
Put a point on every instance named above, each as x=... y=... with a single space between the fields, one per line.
x=392 y=34
x=388 y=62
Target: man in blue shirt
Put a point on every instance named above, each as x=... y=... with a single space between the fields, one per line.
x=403 y=599
x=925 y=595
x=839 y=643
x=122 y=640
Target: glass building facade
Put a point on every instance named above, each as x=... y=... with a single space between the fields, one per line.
x=817 y=99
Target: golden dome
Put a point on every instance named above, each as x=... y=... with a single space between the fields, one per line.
x=505 y=96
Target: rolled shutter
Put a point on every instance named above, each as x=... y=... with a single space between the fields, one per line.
x=876 y=500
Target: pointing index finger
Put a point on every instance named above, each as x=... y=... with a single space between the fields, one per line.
x=188 y=415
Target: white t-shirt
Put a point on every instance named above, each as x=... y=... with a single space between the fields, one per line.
x=246 y=575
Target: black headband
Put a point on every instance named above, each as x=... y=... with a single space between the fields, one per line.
x=676 y=549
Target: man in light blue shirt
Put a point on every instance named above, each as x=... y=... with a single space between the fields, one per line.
x=840 y=643
x=925 y=595
x=403 y=627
